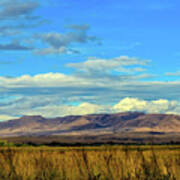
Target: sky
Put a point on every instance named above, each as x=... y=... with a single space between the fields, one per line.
x=67 y=57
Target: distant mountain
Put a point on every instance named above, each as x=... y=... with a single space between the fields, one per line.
x=96 y=124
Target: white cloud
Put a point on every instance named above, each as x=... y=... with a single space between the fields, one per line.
x=155 y=106
x=65 y=110
x=130 y=104
x=45 y=80
x=119 y=64
x=91 y=73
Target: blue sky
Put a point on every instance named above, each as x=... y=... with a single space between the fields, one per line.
x=71 y=55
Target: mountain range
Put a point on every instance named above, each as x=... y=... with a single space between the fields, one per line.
x=91 y=125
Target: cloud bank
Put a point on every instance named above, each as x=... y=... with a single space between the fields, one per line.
x=125 y=105
x=96 y=86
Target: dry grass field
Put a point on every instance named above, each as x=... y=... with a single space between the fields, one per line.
x=90 y=163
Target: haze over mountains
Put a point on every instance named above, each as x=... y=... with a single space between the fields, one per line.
x=91 y=125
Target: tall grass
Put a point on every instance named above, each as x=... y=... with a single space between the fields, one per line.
x=90 y=163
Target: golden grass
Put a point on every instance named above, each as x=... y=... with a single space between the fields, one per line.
x=90 y=163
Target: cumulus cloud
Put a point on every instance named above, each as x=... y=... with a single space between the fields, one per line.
x=130 y=104
x=155 y=106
